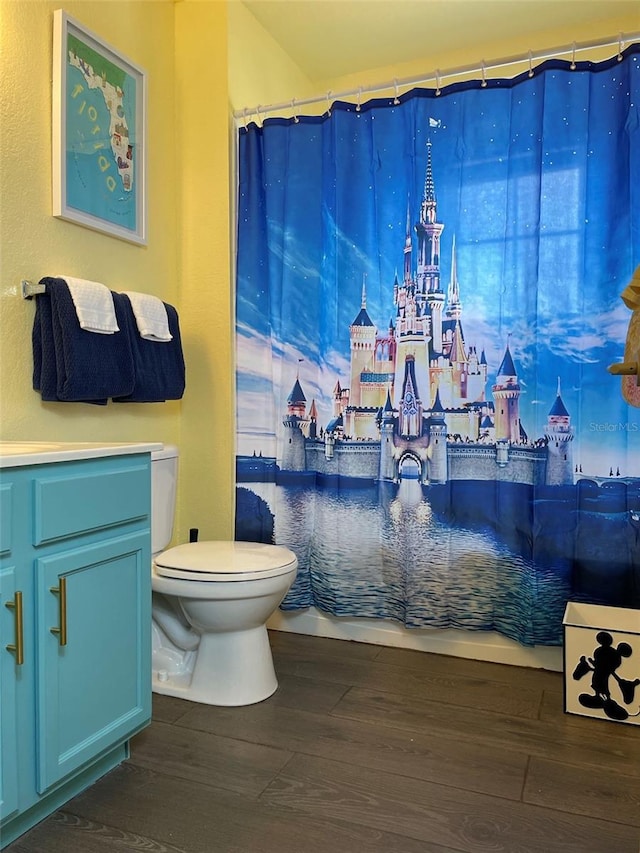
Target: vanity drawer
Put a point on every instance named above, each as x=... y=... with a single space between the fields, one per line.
x=67 y=506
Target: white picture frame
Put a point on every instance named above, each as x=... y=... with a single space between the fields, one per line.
x=99 y=134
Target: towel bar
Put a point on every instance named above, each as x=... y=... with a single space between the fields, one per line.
x=29 y=289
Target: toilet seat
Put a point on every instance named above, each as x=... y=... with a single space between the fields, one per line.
x=215 y=561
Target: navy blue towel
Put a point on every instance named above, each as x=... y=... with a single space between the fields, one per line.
x=86 y=367
x=45 y=374
x=158 y=366
x=45 y=378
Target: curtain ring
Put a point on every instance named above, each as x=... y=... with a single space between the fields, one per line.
x=244 y=116
x=329 y=102
x=484 y=74
x=437 y=82
x=395 y=87
x=573 y=58
x=530 y=64
x=258 y=116
x=358 y=107
x=620 y=44
x=293 y=107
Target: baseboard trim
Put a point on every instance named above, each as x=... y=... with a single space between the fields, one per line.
x=476 y=645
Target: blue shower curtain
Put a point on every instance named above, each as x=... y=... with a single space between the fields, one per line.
x=428 y=298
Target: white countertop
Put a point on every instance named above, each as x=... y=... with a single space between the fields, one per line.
x=17 y=453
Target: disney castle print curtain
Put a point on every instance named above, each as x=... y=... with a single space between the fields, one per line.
x=428 y=298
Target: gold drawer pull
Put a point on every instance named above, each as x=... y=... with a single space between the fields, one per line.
x=18 y=646
x=62 y=610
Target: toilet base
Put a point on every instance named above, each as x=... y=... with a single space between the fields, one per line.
x=230 y=668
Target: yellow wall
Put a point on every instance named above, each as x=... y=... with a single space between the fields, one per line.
x=35 y=244
x=551 y=37
x=208 y=411
x=259 y=70
x=182 y=48
x=261 y=73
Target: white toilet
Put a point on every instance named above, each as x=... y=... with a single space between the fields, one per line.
x=211 y=601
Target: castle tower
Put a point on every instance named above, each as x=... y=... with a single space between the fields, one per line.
x=338 y=398
x=293 y=449
x=429 y=231
x=459 y=363
x=313 y=420
x=438 y=467
x=408 y=250
x=362 y=334
x=477 y=378
x=419 y=301
x=410 y=406
x=454 y=306
x=296 y=401
x=387 y=469
x=559 y=435
x=506 y=394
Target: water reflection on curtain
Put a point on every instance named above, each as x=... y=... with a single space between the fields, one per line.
x=428 y=297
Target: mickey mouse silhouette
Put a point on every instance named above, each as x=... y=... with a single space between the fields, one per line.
x=604 y=663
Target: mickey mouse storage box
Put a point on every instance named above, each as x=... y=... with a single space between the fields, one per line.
x=602 y=662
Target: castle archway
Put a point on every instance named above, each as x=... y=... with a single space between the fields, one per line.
x=410 y=467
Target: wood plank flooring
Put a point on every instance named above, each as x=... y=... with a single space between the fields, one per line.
x=365 y=749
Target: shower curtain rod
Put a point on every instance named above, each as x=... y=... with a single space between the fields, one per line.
x=610 y=41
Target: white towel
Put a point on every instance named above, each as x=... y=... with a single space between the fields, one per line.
x=94 y=305
x=151 y=316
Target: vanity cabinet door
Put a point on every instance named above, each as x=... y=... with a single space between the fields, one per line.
x=15 y=596
x=93 y=679
x=11 y=657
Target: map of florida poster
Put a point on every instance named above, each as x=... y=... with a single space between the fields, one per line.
x=102 y=127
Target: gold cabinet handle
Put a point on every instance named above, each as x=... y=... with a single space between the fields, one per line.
x=61 y=591
x=18 y=646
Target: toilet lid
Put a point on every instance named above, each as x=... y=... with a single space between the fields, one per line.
x=225 y=561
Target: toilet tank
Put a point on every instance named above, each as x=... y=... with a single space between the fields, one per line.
x=164 y=478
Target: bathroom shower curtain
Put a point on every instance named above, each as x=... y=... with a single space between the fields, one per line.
x=428 y=298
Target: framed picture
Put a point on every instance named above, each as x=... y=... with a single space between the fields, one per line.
x=99 y=134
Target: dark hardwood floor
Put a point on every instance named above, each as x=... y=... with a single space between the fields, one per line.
x=366 y=749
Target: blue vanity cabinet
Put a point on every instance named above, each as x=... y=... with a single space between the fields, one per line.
x=80 y=555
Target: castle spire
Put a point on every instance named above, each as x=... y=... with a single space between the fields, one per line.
x=558 y=411
x=428 y=230
x=429 y=186
x=454 y=307
x=437 y=410
x=313 y=420
x=458 y=354
x=363 y=318
x=296 y=400
x=428 y=207
x=507 y=368
x=408 y=249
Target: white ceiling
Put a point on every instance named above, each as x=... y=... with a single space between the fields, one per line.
x=334 y=38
